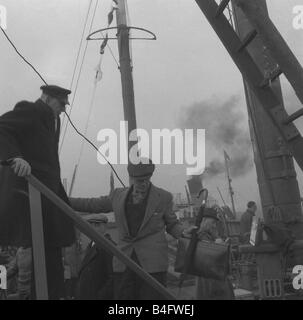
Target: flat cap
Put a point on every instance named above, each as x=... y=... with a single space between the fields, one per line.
x=56 y=91
x=143 y=169
x=96 y=218
x=250 y=204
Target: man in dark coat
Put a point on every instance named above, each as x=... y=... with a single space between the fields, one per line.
x=29 y=137
x=95 y=280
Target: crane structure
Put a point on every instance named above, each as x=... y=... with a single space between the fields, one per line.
x=262 y=55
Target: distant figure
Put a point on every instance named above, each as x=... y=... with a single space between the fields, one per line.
x=246 y=221
x=21 y=268
x=95 y=275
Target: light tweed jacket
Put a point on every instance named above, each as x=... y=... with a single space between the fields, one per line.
x=150 y=244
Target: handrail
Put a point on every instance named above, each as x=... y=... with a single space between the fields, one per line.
x=100 y=240
x=38 y=244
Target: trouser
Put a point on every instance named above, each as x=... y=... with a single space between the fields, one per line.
x=129 y=286
x=24 y=278
x=54 y=273
x=210 y=289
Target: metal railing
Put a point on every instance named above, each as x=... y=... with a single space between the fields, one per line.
x=36 y=188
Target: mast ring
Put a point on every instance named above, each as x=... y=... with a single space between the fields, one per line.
x=90 y=36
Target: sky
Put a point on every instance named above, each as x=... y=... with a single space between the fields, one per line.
x=184 y=72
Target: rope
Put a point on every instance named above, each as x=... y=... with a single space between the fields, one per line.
x=81 y=67
x=112 y=54
x=23 y=58
x=79 y=51
x=80 y=44
x=78 y=79
x=35 y=70
x=112 y=10
x=116 y=174
x=85 y=132
x=98 y=77
x=87 y=122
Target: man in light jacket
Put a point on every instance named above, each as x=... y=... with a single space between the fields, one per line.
x=143 y=214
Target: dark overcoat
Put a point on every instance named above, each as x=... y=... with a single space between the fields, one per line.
x=29 y=132
x=95 y=275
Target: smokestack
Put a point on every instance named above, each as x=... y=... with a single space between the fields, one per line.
x=195 y=185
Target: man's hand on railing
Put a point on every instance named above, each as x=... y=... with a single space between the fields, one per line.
x=21 y=167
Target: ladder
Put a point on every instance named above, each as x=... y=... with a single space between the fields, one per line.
x=258 y=83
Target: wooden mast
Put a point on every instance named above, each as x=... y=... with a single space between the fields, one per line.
x=126 y=70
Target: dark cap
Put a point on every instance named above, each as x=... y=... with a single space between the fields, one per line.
x=143 y=169
x=210 y=213
x=56 y=92
x=250 y=204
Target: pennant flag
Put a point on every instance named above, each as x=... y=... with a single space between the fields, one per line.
x=226 y=156
x=99 y=73
x=104 y=44
x=110 y=17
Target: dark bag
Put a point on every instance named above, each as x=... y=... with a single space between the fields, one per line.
x=209 y=260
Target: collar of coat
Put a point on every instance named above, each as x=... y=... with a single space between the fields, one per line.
x=153 y=200
x=44 y=107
